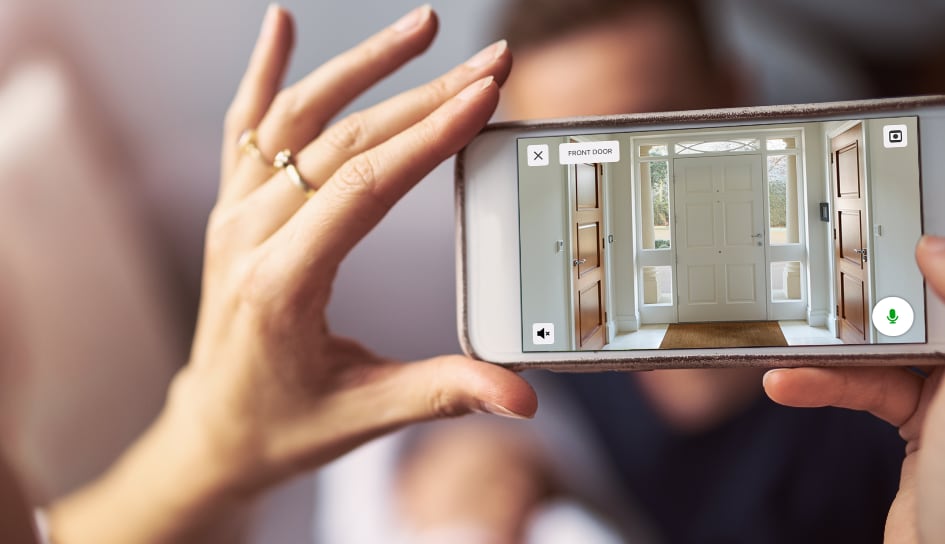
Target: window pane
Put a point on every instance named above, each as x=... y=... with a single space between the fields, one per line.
x=785 y=281
x=780 y=144
x=657 y=285
x=783 y=199
x=718 y=146
x=655 y=150
x=654 y=190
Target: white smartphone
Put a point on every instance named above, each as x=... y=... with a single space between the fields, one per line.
x=771 y=236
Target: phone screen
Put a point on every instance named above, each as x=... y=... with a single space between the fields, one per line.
x=773 y=235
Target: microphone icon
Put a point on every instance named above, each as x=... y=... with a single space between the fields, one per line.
x=892 y=317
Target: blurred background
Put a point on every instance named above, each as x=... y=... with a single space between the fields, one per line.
x=110 y=122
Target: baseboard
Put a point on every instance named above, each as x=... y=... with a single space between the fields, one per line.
x=818 y=318
x=627 y=323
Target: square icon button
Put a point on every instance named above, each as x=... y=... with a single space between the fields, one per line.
x=895 y=136
x=543 y=334
x=537 y=155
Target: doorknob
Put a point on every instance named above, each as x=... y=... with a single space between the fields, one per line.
x=759 y=235
x=863 y=253
x=576 y=262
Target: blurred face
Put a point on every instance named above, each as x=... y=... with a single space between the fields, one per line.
x=638 y=62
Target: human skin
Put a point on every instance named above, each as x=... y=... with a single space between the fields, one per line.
x=914 y=404
x=269 y=391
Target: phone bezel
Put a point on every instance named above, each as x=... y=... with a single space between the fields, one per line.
x=484 y=325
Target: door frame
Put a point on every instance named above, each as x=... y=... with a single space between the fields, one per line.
x=833 y=322
x=656 y=313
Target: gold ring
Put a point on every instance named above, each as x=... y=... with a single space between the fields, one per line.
x=249 y=146
x=286 y=161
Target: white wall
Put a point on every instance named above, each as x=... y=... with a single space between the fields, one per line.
x=896 y=220
x=543 y=209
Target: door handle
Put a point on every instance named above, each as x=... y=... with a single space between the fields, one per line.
x=863 y=253
x=576 y=262
x=759 y=235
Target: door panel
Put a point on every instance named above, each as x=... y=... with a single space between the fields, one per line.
x=849 y=203
x=720 y=225
x=739 y=283
x=591 y=316
x=702 y=285
x=588 y=263
x=588 y=250
x=853 y=297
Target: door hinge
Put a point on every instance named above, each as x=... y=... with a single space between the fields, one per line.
x=831 y=158
x=834 y=234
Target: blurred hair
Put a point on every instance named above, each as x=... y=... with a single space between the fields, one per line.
x=530 y=23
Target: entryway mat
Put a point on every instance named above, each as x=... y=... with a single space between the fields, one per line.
x=729 y=334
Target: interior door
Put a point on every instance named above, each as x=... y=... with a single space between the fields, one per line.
x=720 y=229
x=587 y=258
x=849 y=236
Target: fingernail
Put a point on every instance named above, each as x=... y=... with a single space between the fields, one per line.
x=269 y=19
x=498 y=410
x=488 y=54
x=413 y=19
x=769 y=374
x=933 y=244
x=470 y=92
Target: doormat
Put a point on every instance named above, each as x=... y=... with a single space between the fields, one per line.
x=731 y=334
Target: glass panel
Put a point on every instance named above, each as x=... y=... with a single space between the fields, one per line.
x=657 y=285
x=718 y=146
x=654 y=189
x=654 y=150
x=785 y=281
x=780 y=144
x=783 y=193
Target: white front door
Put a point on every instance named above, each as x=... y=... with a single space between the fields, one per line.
x=720 y=249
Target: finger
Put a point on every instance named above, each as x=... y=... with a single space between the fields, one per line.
x=452 y=386
x=364 y=130
x=930 y=254
x=361 y=192
x=299 y=112
x=890 y=394
x=260 y=83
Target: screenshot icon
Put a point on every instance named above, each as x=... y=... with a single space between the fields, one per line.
x=895 y=136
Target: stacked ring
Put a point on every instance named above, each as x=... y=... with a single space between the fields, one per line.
x=285 y=161
x=248 y=146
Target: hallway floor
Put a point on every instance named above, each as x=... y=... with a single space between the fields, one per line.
x=797 y=333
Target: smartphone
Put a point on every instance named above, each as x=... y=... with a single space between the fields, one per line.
x=769 y=236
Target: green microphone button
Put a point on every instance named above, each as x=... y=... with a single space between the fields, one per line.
x=893 y=316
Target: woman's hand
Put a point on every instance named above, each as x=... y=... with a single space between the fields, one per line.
x=914 y=404
x=269 y=390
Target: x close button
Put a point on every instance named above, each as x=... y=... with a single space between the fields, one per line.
x=537 y=155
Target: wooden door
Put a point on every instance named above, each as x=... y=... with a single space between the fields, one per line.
x=720 y=229
x=849 y=236
x=587 y=257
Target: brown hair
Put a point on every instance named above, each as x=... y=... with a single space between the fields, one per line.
x=528 y=23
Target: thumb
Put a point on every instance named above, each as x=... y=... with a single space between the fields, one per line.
x=930 y=254
x=453 y=385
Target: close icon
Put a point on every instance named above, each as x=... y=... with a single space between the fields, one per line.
x=543 y=334
x=537 y=155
